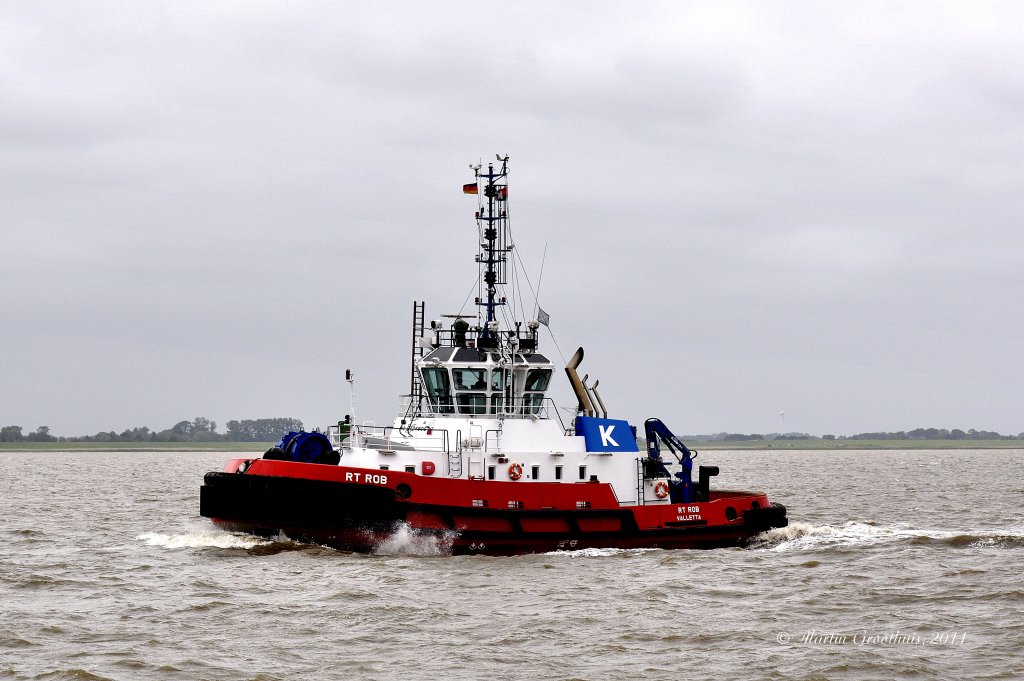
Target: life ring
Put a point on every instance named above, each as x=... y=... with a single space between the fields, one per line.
x=661 y=489
x=515 y=471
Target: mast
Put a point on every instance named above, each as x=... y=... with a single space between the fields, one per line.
x=492 y=224
x=492 y=258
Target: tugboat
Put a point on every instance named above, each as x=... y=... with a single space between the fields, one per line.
x=479 y=456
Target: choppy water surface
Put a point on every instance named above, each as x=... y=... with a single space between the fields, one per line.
x=896 y=565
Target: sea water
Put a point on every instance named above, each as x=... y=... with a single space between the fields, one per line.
x=895 y=565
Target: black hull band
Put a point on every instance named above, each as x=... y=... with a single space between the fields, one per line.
x=359 y=517
x=289 y=502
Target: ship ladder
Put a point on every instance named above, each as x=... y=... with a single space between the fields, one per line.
x=455 y=457
x=418 y=323
x=454 y=464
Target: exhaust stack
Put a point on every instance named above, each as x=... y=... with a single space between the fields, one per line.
x=600 y=402
x=585 y=405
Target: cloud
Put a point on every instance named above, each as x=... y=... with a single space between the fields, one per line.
x=744 y=205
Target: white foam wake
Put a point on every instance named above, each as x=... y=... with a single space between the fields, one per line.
x=406 y=541
x=210 y=538
x=805 y=535
x=798 y=536
x=597 y=552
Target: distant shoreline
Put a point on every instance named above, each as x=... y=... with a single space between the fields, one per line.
x=254 y=447
x=750 y=445
x=825 y=445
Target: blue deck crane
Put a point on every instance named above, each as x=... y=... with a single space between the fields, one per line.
x=681 y=490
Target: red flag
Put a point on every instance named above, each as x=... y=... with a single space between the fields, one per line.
x=470 y=188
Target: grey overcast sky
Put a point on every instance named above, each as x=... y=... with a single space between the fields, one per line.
x=216 y=208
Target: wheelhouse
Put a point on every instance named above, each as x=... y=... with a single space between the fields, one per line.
x=469 y=381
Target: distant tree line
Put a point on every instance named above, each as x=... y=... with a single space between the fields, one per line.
x=201 y=429
x=13 y=434
x=937 y=434
x=916 y=434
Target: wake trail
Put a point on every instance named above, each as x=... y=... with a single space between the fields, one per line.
x=805 y=536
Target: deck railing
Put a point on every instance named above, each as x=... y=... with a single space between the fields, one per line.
x=390 y=438
x=516 y=408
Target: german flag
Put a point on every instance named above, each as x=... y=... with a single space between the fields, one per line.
x=470 y=188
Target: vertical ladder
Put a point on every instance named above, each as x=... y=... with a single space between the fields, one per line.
x=640 y=496
x=455 y=463
x=418 y=322
x=455 y=457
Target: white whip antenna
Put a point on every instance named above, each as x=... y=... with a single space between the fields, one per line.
x=351 y=378
x=540 y=280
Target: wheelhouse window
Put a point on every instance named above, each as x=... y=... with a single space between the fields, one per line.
x=470 y=379
x=472 y=403
x=532 y=403
x=439 y=390
x=535 y=382
x=537 y=379
x=498 y=379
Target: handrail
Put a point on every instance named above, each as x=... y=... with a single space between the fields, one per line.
x=520 y=408
x=390 y=437
x=526 y=340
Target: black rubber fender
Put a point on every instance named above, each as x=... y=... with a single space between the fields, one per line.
x=773 y=515
x=275 y=454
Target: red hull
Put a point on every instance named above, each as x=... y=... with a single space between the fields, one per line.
x=360 y=509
